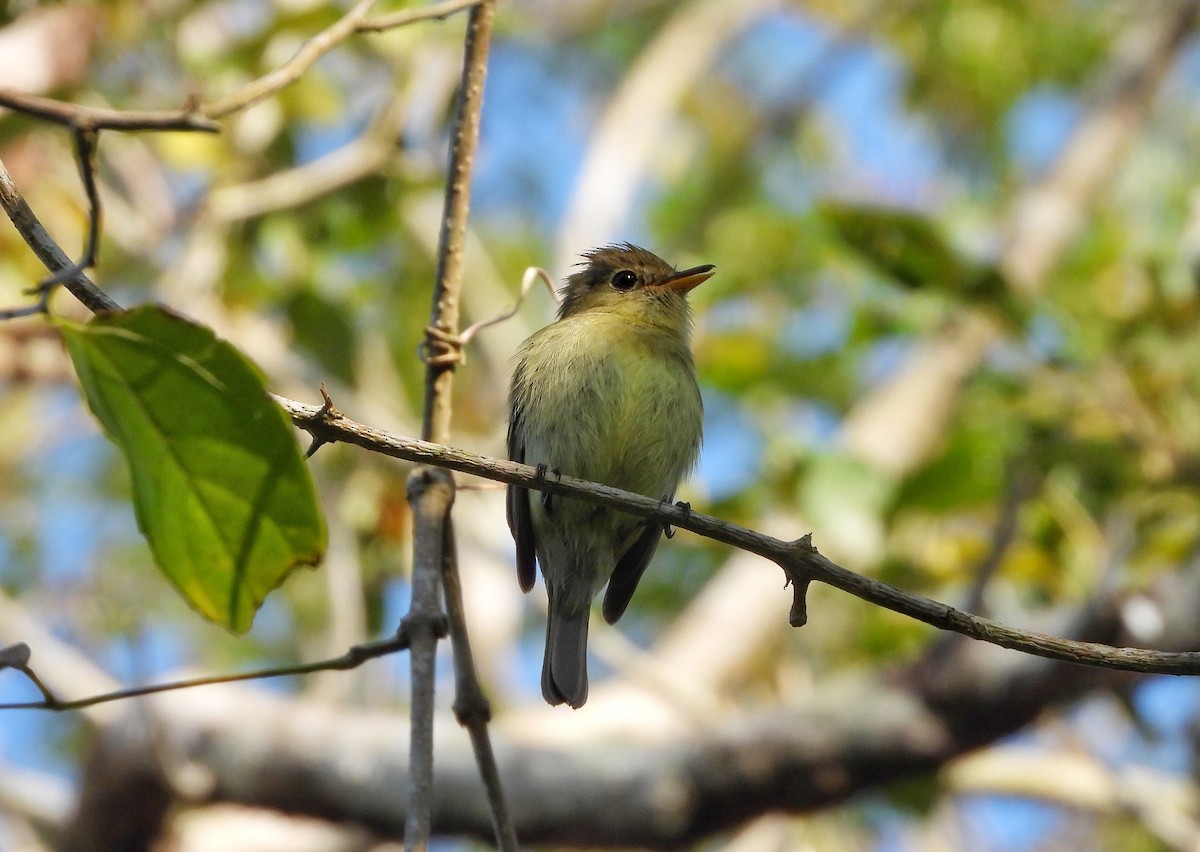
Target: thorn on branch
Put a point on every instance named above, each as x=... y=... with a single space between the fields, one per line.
x=798 y=550
x=798 y=614
x=316 y=425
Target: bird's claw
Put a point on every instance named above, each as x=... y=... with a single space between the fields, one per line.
x=547 y=498
x=668 y=530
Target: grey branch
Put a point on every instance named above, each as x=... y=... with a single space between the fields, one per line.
x=850 y=734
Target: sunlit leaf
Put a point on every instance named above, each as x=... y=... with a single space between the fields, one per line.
x=221 y=490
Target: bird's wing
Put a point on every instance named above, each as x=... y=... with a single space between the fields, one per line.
x=629 y=571
x=519 y=520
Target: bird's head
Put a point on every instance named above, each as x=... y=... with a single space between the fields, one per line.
x=629 y=280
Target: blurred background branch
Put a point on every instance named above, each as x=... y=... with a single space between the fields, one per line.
x=955 y=242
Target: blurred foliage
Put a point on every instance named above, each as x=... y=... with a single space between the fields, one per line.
x=847 y=226
x=802 y=312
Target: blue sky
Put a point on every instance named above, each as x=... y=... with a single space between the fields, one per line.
x=540 y=107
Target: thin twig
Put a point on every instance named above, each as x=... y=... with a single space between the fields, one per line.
x=434 y=11
x=203 y=117
x=439 y=376
x=532 y=275
x=79 y=117
x=47 y=250
x=292 y=70
x=354 y=21
x=799 y=559
x=85 y=151
x=85 y=155
x=471 y=706
x=443 y=323
x=353 y=658
x=431 y=494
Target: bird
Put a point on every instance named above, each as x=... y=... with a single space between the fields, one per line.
x=606 y=393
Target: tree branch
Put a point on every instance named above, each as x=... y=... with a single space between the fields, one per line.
x=354 y=21
x=851 y=734
x=202 y=118
x=80 y=117
x=292 y=70
x=11 y=657
x=47 y=250
x=799 y=560
x=431 y=494
x=444 y=349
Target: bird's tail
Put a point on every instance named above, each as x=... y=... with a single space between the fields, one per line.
x=564 y=668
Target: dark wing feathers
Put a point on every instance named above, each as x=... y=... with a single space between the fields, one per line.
x=519 y=520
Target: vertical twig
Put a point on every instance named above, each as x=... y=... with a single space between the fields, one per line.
x=431 y=493
x=85 y=155
x=471 y=707
x=443 y=348
x=452 y=239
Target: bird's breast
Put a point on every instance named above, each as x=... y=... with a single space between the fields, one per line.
x=606 y=400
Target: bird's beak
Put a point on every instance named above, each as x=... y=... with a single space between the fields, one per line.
x=687 y=279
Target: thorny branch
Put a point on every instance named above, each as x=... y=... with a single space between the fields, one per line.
x=800 y=561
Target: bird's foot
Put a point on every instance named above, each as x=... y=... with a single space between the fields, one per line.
x=668 y=530
x=547 y=498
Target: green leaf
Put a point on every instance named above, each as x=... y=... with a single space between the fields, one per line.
x=911 y=250
x=220 y=488
x=903 y=245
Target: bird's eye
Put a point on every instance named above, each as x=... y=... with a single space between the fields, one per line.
x=624 y=280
